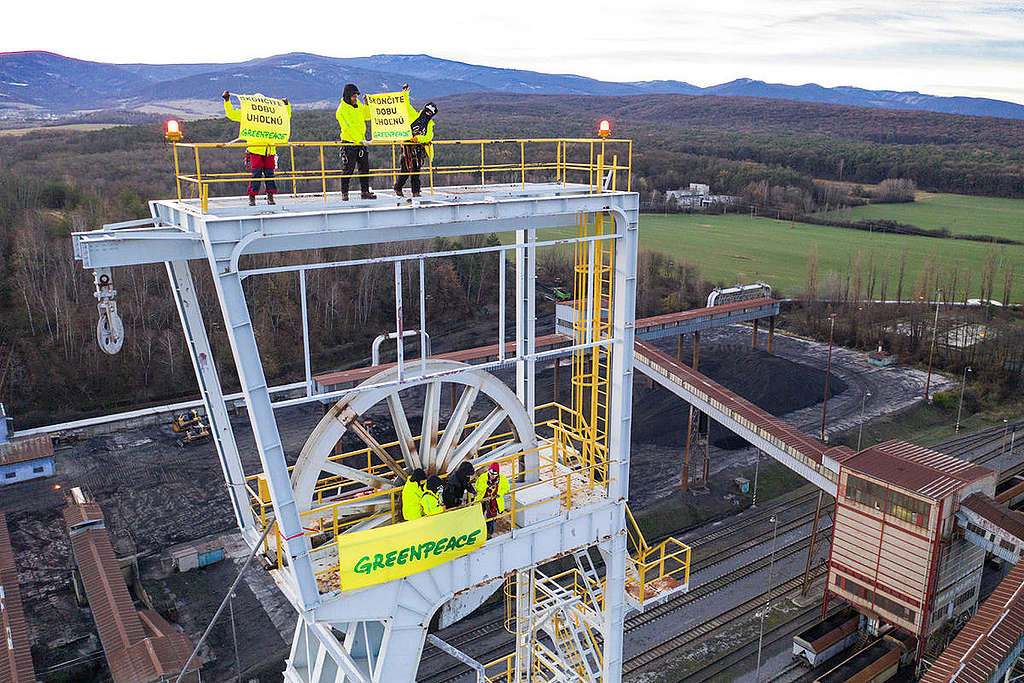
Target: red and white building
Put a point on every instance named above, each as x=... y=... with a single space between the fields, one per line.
x=897 y=555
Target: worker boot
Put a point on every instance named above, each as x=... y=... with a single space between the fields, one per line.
x=415 y=194
x=252 y=200
x=344 y=196
x=398 y=191
x=367 y=195
x=270 y=199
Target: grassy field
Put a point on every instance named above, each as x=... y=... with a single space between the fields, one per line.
x=738 y=248
x=960 y=214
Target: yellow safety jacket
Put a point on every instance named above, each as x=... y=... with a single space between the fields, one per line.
x=426 y=137
x=412 y=492
x=236 y=115
x=431 y=505
x=481 y=490
x=353 y=122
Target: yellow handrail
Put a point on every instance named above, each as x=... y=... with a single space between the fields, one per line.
x=540 y=160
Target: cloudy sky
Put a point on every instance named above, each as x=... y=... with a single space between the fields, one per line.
x=973 y=48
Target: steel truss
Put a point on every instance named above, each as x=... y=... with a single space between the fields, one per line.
x=377 y=633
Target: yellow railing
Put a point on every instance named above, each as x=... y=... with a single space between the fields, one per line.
x=670 y=558
x=306 y=167
x=560 y=464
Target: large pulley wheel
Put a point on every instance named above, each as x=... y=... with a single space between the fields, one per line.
x=443 y=444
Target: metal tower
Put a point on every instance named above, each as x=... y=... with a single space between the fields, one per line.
x=568 y=464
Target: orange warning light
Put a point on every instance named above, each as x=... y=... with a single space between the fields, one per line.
x=172 y=130
x=604 y=129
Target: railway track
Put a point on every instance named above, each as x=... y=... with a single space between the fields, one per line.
x=794 y=498
x=658 y=652
x=783 y=631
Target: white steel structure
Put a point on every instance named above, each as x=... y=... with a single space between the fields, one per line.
x=570 y=472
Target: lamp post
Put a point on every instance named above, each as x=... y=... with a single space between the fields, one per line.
x=1006 y=428
x=828 y=371
x=963 y=383
x=860 y=430
x=768 y=599
x=757 y=467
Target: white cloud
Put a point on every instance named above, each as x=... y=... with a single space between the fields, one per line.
x=935 y=46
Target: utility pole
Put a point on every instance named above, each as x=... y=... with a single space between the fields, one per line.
x=931 y=354
x=768 y=598
x=960 y=408
x=828 y=370
x=860 y=430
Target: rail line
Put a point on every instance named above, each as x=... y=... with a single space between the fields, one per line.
x=731 y=616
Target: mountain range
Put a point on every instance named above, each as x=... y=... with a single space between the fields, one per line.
x=43 y=85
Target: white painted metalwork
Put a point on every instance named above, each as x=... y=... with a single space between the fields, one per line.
x=384 y=625
x=440 y=448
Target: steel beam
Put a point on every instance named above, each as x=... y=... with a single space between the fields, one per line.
x=280 y=231
x=198 y=344
x=241 y=334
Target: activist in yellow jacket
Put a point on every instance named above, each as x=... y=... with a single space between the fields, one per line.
x=236 y=115
x=427 y=135
x=412 y=493
x=352 y=118
x=431 y=500
x=491 y=488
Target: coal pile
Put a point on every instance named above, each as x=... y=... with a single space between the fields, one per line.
x=774 y=384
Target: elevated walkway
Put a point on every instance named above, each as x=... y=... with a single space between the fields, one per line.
x=808 y=457
x=992 y=526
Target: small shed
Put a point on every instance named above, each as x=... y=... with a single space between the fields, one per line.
x=189 y=556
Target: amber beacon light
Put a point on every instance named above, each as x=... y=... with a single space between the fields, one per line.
x=172 y=130
x=604 y=129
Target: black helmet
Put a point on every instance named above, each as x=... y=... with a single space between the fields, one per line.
x=349 y=91
x=434 y=483
x=466 y=469
x=418 y=475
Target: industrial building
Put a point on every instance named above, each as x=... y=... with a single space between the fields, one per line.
x=23 y=458
x=895 y=555
x=15 y=655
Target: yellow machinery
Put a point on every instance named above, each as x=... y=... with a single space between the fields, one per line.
x=183 y=422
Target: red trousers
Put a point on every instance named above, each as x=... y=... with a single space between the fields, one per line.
x=262 y=167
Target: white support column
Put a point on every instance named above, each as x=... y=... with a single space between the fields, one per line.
x=619 y=424
x=198 y=344
x=525 y=632
x=238 y=326
x=526 y=333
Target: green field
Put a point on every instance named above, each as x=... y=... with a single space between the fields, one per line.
x=960 y=214
x=733 y=249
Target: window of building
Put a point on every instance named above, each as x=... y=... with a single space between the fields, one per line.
x=38 y=469
x=964 y=597
x=865 y=492
x=908 y=509
x=10 y=475
x=1006 y=545
x=975 y=529
x=880 y=601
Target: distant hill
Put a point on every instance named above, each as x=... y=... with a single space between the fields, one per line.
x=40 y=84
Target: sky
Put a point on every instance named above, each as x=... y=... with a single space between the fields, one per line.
x=940 y=47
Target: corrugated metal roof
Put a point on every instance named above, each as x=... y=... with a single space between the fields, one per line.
x=924 y=471
x=1003 y=517
x=140 y=646
x=987 y=639
x=16 y=662
x=26 y=448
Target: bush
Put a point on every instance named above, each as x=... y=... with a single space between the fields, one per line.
x=895 y=190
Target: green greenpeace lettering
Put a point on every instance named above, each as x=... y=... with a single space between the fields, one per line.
x=408 y=554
